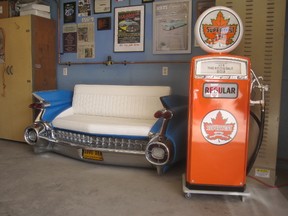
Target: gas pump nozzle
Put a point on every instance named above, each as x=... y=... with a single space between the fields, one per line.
x=257 y=83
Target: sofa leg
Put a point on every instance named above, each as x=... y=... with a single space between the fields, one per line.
x=160 y=170
x=41 y=148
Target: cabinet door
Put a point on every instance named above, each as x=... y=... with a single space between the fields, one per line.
x=43 y=53
x=16 y=78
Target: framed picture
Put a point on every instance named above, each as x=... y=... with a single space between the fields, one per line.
x=69 y=38
x=84 y=8
x=203 y=5
x=129 y=29
x=104 y=23
x=147 y=1
x=102 y=6
x=69 y=12
x=172 y=27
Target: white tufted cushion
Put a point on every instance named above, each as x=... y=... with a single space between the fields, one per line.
x=112 y=109
x=118 y=101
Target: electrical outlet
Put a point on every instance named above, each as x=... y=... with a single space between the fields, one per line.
x=164 y=71
x=65 y=71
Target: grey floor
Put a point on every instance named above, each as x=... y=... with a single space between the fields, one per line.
x=51 y=184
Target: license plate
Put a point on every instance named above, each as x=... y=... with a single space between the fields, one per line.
x=92 y=155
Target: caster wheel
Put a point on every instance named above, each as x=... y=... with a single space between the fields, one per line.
x=188 y=195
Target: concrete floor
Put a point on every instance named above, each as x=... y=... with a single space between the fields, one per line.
x=51 y=184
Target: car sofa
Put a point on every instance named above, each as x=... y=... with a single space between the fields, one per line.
x=140 y=126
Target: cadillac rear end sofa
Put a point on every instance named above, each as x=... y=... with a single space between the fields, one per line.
x=140 y=126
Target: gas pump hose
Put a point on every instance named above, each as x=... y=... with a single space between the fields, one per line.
x=261 y=125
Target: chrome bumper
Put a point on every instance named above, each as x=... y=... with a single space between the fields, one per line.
x=107 y=157
x=111 y=150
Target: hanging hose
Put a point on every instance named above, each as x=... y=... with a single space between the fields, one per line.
x=256 y=83
x=261 y=125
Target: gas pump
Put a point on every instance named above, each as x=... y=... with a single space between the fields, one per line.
x=219 y=108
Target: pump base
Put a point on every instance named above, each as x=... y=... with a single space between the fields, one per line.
x=215 y=188
x=208 y=190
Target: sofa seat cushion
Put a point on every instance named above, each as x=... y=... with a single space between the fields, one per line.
x=105 y=125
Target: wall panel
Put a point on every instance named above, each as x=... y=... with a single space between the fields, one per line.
x=263 y=42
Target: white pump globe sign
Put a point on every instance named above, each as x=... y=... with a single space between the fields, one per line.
x=218 y=30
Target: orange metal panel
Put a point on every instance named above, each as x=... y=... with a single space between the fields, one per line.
x=210 y=162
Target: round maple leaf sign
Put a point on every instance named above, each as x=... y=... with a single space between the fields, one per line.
x=219 y=127
x=218 y=30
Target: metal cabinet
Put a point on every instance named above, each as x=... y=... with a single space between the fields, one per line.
x=27 y=64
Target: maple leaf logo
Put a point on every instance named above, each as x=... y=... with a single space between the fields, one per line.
x=219 y=31
x=219 y=128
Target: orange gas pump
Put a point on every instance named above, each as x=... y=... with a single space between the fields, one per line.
x=218 y=122
x=219 y=108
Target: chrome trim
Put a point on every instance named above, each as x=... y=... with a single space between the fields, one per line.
x=257 y=82
x=158 y=142
x=105 y=144
x=109 y=158
x=117 y=151
x=38 y=128
x=100 y=149
x=43 y=130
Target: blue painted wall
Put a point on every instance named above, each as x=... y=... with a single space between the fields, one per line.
x=146 y=74
x=131 y=74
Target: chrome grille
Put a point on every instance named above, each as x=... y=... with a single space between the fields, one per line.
x=98 y=142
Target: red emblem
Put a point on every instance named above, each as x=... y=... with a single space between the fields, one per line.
x=219 y=127
x=219 y=31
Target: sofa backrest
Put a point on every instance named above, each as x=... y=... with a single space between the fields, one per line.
x=140 y=102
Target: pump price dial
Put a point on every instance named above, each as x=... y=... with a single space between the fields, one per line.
x=221 y=67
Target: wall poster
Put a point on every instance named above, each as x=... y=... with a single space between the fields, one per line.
x=129 y=29
x=69 y=12
x=203 y=5
x=84 y=8
x=103 y=23
x=172 y=27
x=70 y=38
x=102 y=6
x=85 y=41
x=147 y=1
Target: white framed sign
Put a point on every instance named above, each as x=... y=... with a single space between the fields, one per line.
x=172 y=27
x=102 y=6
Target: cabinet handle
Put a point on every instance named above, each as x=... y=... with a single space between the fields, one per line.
x=9 y=69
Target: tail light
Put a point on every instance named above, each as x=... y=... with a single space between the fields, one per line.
x=39 y=105
x=158 y=153
x=166 y=114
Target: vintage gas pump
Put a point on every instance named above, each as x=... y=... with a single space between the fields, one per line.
x=219 y=108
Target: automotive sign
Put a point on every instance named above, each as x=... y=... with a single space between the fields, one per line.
x=219 y=127
x=220 y=90
x=218 y=30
